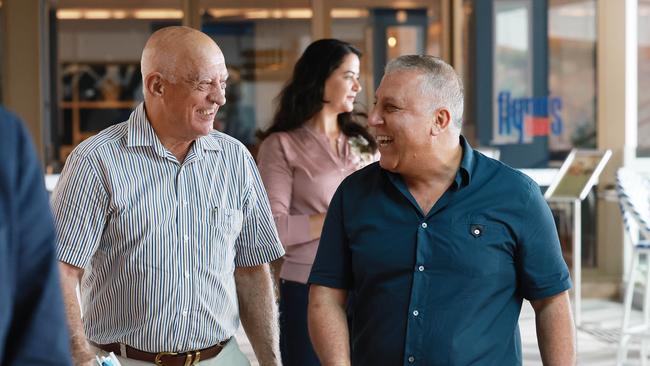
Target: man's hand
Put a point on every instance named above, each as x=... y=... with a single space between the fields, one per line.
x=259 y=313
x=81 y=352
x=328 y=326
x=555 y=330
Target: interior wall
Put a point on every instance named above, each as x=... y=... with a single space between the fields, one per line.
x=21 y=84
x=102 y=40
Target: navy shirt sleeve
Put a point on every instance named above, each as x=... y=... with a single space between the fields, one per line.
x=33 y=330
x=542 y=270
x=332 y=266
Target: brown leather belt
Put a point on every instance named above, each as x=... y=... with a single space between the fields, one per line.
x=164 y=358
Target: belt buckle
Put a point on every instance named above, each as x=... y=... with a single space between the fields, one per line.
x=197 y=357
x=190 y=359
x=158 y=362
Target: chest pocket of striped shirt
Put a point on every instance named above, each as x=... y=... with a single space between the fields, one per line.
x=227 y=221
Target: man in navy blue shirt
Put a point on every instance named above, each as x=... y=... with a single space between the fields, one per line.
x=32 y=323
x=437 y=244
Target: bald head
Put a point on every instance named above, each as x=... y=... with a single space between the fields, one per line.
x=175 y=51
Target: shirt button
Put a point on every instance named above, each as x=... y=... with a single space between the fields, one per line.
x=184 y=202
x=186 y=238
x=416 y=313
x=187 y=274
x=184 y=312
x=421 y=268
x=477 y=231
x=411 y=359
x=424 y=225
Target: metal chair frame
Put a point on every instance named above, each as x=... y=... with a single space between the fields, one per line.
x=634 y=197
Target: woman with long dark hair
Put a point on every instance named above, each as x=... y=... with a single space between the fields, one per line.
x=313 y=143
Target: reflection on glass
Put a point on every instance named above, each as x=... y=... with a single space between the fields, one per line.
x=572 y=71
x=512 y=69
x=643 y=132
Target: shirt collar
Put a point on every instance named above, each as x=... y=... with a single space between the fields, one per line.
x=207 y=143
x=464 y=173
x=140 y=133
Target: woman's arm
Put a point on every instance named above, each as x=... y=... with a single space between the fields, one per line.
x=277 y=175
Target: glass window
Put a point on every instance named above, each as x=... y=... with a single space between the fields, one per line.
x=261 y=47
x=351 y=25
x=512 y=67
x=98 y=52
x=572 y=83
x=572 y=73
x=643 y=132
x=401 y=36
x=98 y=73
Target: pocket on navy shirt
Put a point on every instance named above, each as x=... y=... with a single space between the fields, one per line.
x=486 y=248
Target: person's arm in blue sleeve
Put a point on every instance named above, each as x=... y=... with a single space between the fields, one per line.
x=37 y=332
x=545 y=282
x=329 y=282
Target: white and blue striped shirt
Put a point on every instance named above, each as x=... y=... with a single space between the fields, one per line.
x=159 y=240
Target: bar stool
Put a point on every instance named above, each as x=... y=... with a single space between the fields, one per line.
x=634 y=197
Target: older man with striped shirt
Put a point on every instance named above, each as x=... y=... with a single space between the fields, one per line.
x=166 y=224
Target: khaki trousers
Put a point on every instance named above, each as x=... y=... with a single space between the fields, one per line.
x=229 y=356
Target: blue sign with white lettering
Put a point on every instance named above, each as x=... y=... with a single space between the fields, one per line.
x=521 y=119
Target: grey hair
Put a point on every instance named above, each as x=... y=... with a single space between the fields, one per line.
x=443 y=84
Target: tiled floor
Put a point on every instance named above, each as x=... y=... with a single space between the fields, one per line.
x=597 y=337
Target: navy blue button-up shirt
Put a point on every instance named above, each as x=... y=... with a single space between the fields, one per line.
x=33 y=329
x=446 y=287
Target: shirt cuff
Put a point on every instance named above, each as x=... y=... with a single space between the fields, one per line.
x=549 y=291
x=293 y=229
x=259 y=255
x=316 y=279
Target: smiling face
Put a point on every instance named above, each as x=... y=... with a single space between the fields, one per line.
x=195 y=92
x=403 y=121
x=342 y=86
